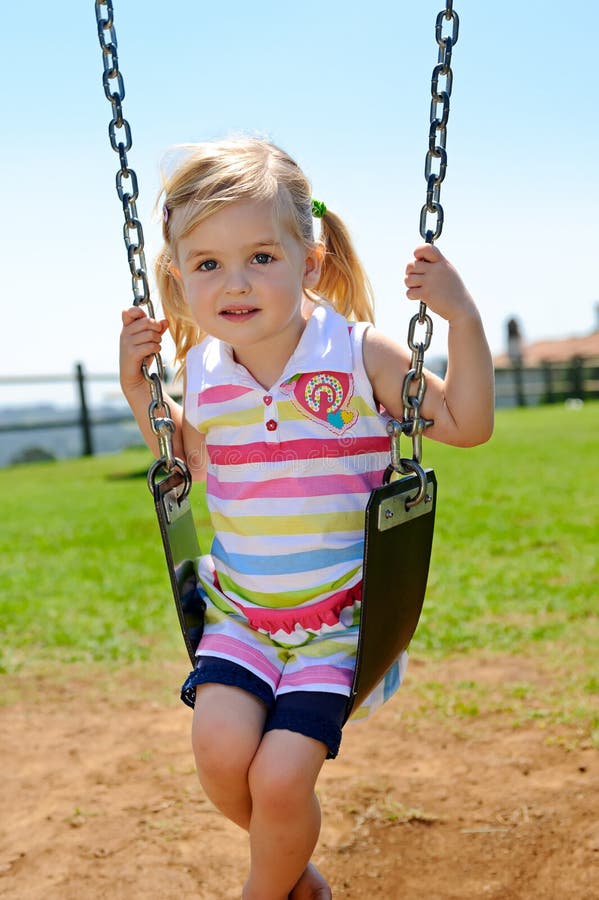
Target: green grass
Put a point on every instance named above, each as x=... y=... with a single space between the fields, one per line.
x=515 y=552
x=82 y=570
x=514 y=564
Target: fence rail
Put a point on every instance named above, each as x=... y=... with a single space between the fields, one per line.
x=549 y=382
x=82 y=417
x=516 y=385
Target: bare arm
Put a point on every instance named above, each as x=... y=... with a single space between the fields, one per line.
x=140 y=339
x=461 y=404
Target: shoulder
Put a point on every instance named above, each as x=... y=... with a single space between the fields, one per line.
x=386 y=363
x=380 y=353
x=209 y=362
x=196 y=353
x=194 y=360
x=332 y=329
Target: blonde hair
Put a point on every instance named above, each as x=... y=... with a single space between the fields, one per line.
x=214 y=174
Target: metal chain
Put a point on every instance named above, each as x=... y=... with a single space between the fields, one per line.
x=437 y=136
x=119 y=132
x=413 y=424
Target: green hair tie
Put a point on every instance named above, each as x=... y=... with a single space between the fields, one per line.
x=318 y=209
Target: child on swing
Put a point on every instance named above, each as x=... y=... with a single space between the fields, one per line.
x=288 y=389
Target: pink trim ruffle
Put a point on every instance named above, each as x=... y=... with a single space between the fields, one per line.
x=312 y=618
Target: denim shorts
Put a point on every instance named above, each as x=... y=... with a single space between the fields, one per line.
x=317 y=714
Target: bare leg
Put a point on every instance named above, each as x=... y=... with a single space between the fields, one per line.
x=285 y=820
x=226 y=733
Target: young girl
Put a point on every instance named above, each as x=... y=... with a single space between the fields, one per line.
x=287 y=393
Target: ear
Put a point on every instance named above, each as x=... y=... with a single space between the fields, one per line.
x=313 y=264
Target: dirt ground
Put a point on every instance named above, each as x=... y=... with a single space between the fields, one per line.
x=99 y=797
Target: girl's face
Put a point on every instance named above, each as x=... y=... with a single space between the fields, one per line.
x=244 y=279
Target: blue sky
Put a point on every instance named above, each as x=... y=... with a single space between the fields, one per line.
x=345 y=87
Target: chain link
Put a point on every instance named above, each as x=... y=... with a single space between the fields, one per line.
x=435 y=166
x=440 y=97
x=119 y=132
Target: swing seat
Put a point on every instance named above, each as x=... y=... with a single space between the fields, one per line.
x=181 y=549
x=397 y=550
x=398 y=542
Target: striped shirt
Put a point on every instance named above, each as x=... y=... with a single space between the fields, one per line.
x=288 y=478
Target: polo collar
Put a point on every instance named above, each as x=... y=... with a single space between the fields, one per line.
x=325 y=346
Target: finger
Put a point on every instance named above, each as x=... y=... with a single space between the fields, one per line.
x=138 y=339
x=413 y=281
x=428 y=252
x=130 y=315
x=414 y=293
x=145 y=326
x=147 y=350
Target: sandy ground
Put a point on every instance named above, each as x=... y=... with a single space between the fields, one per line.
x=99 y=797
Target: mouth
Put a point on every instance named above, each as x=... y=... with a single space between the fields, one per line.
x=238 y=313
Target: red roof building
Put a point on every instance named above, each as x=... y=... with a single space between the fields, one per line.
x=557 y=350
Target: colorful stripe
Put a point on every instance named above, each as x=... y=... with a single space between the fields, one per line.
x=259 y=452
x=287 y=563
x=230 y=422
x=311 y=524
x=323 y=675
x=216 y=415
x=284 y=599
x=232 y=648
x=308 y=486
x=275 y=508
x=222 y=393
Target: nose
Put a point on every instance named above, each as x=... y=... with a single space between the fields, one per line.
x=237 y=283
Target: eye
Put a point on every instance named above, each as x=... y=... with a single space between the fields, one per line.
x=209 y=265
x=263 y=258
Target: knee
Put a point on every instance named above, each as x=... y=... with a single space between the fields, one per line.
x=218 y=755
x=278 y=786
x=226 y=731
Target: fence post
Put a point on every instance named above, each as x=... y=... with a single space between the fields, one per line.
x=577 y=379
x=549 y=396
x=84 y=420
x=518 y=382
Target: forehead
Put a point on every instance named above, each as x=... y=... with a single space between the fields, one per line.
x=238 y=223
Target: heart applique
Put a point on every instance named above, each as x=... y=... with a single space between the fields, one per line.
x=324 y=397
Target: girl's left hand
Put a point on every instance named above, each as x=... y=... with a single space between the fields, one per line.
x=434 y=280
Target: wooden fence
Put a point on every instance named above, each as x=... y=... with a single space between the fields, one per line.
x=516 y=385
x=81 y=418
x=550 y=382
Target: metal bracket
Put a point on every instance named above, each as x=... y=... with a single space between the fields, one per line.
x=174 y=506
x=395 y=510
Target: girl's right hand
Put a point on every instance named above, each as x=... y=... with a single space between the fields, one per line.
x=432 y=278
x=141 y=338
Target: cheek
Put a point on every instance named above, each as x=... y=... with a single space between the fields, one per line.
x=194 y=290
x=288 y=281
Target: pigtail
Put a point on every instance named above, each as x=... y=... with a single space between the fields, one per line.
x=183 y=329
x=343 y=280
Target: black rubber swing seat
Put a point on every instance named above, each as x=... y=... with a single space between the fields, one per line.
x=398 y=542
x=397 y=551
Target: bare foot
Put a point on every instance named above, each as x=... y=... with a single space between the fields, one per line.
x=311 y=886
